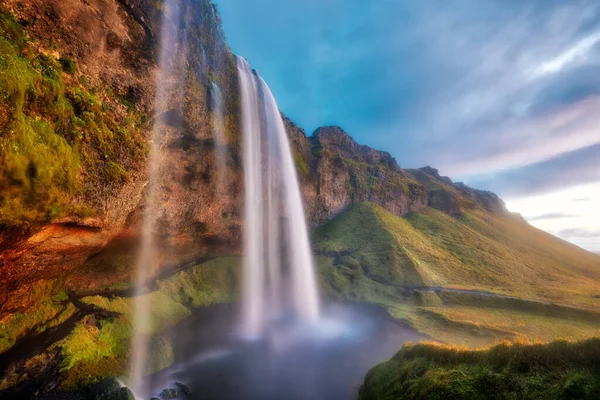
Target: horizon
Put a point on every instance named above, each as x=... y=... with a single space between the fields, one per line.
x=517 y=117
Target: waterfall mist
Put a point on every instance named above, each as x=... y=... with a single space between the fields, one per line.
x=270 y=173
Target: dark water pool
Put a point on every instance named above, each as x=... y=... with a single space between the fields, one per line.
x=292 y=362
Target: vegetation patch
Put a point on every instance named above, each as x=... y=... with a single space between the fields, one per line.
x=49 y=312
x=522 y=370
x=55 y=136
x=163 y=310
x=215 y=281
x=99 y=348
x=478 y=251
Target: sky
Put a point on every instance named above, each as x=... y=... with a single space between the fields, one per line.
x=503 y=95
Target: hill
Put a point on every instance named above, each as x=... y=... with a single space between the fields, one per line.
x=476 y=250
x=471 y=279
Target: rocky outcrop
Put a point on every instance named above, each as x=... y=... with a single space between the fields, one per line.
x=347 y=173
x=455 y=198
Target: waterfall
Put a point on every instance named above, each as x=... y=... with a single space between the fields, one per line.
x=306 y=299
x=169 y=79
x=269 y=171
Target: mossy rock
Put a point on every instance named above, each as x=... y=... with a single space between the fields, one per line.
x=425 y=299
x=108 y=389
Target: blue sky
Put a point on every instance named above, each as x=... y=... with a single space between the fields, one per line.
x=504 y=95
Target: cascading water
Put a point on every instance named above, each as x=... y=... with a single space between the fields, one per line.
x=254 y=279
x=269 y=171
x=171 y=70
x=306 y=296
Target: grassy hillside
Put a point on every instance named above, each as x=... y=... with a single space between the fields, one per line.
x=560 y=370
x=470 y=280
x=477 y=250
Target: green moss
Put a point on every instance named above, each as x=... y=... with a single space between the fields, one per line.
x=301 y=165
x=54 y=136
x=425 y=298
x=113 y=172
x=68 y=65
x=95 y=350
x=164 y=311
x=49 y=311
x=559 y=370
x=216 y=281
x=98 y=349
x=91 y=341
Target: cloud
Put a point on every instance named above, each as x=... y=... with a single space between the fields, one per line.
x=470 y=86
x=553 y=215
x=570 y=169
x=579 y=233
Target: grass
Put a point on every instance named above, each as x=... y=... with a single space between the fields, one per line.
x=215 y=281
x=95 y=350
x=164 y=311
x=519 y=323
x=522 y=370
x=479 y=251
x=370 y=255
x=359 y=235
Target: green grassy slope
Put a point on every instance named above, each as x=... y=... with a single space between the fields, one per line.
x=477 y=250
x=559 y=370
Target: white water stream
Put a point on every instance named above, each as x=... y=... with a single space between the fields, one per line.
x=274 y=215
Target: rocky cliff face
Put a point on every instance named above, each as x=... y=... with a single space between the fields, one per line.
x=95 y=62
x=341 y=172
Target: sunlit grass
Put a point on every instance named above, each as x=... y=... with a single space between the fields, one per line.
x=510 y=370
x=50 y=311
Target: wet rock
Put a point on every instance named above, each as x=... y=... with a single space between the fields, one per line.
x=168 y=394
x=126 y=394
x=183 y=387
x=109 y=389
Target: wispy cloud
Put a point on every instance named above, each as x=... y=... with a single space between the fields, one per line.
x=574 y=233
x=566 y=170
x=553 y=215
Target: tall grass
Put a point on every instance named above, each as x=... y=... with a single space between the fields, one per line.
x=521 y=370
